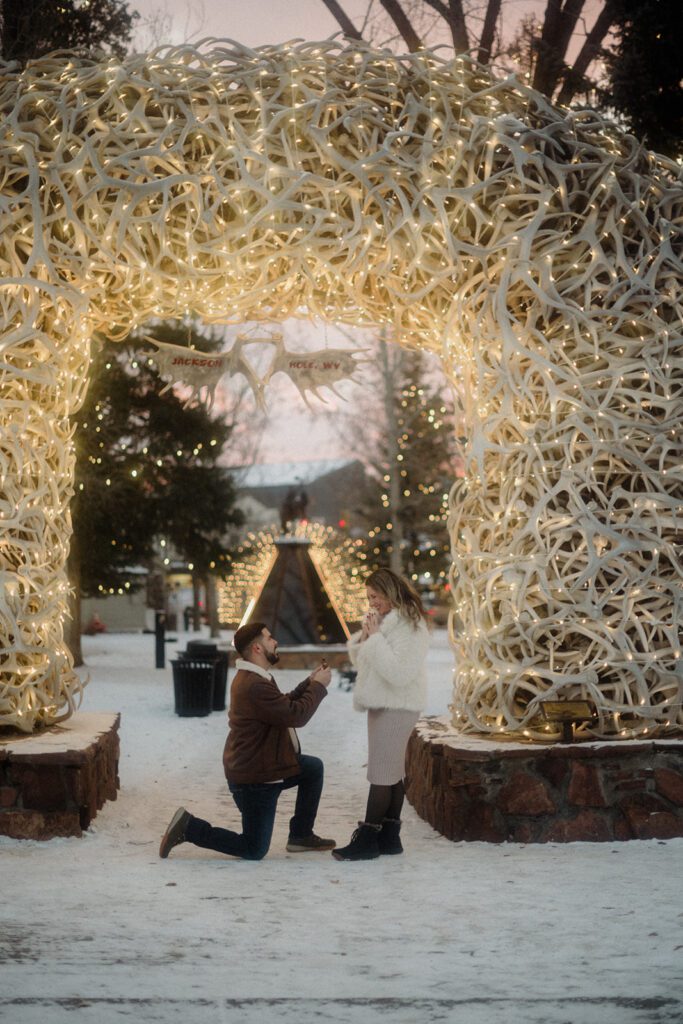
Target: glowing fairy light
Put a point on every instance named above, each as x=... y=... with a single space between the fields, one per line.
x=481 y=237
x=336 y=557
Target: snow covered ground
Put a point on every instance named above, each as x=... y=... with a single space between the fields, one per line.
x=100 y=930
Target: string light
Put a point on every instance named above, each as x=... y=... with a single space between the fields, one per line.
x=338 y=559
x=464 y=254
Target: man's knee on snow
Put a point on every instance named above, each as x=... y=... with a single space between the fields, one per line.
x=256 y=851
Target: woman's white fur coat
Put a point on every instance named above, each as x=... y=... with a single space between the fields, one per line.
x=391 y=665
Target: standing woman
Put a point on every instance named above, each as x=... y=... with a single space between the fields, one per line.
x=389 y=654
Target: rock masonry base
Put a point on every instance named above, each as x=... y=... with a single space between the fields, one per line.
x=53 y=783
x=477 y=789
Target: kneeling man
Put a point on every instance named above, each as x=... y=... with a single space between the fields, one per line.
x=262 y=757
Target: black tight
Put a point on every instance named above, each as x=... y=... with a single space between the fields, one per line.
x=384 y=802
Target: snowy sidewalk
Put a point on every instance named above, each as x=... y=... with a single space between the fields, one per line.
x=100 y=930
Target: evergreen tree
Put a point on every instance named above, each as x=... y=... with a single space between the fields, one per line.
x=425 y=471
x=412 y=465
x=147 y=473
x=32 y=28
x=645 y=72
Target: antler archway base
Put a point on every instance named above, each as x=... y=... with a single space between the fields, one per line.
x=478 y=789
x=536 y=250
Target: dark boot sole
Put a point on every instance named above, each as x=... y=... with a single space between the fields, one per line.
x=172 y=837
x=309 y=849
x=370 y=856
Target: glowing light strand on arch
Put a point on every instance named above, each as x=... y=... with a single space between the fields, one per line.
x=536 y=250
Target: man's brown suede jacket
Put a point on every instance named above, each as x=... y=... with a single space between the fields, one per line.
x=260 y=746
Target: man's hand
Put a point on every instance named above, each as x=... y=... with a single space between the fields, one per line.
x=323 y=674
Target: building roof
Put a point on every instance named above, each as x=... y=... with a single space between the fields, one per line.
x=286 y=474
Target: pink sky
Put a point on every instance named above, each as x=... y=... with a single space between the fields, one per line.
x=258 y=22
x=253 y=22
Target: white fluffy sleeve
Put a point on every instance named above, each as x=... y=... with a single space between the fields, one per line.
x=398 y=656
x=353 y=647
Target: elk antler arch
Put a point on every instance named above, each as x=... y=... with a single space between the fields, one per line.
x=536 y=250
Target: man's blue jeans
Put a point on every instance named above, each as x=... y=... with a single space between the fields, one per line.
x=257 y=803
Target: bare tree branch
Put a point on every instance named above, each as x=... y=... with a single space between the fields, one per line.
x=454 y=16
x=461 y=40
x=558 y=24
x=340 y=15
x=550 y=68
x=489 y=30
x=588 y=52
x=403 y=24
x=551 y=19
x=570 y=16
x=440 y=7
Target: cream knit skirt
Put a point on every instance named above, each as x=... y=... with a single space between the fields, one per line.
x=388 y=735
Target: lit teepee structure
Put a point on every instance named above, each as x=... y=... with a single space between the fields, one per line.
x=305 y=585
x=294 y=601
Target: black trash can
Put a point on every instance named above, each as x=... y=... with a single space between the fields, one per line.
x=201 y=649
x=193 y=680
x=220 y=679
x=207 y=651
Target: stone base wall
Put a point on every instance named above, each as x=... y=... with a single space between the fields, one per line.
x=471 y=788
x=53 y=783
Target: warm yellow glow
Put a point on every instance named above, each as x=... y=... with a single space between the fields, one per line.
x=335 y=557
x=535 y=250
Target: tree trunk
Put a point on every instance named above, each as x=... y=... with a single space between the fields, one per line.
x=454 y=16
x=196 y=599
x=394 y=489
x=558 y=25
x=72 y=626
x=212 y=605
x=489 y=31
x=461 y=39
x=337 y=12
x=402 y=23
x=588 y=52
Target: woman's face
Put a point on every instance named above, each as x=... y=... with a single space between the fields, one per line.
x=378 y=602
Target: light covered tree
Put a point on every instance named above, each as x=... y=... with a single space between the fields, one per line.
x=148 y=473
x=416 y=462
x=401 y=425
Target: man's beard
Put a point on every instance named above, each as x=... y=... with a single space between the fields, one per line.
x=273 y=657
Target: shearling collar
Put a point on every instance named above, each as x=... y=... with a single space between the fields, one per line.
x=394 y=619
x=390 y=619
x=249 y=666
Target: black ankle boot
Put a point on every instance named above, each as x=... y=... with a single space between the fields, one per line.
x=389 y=839
x=363 y=845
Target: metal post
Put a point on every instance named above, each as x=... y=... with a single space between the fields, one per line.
x=160 y=639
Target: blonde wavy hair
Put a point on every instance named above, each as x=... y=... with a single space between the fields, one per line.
x=399 y=593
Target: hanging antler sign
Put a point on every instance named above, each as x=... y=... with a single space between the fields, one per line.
x=202 y=371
